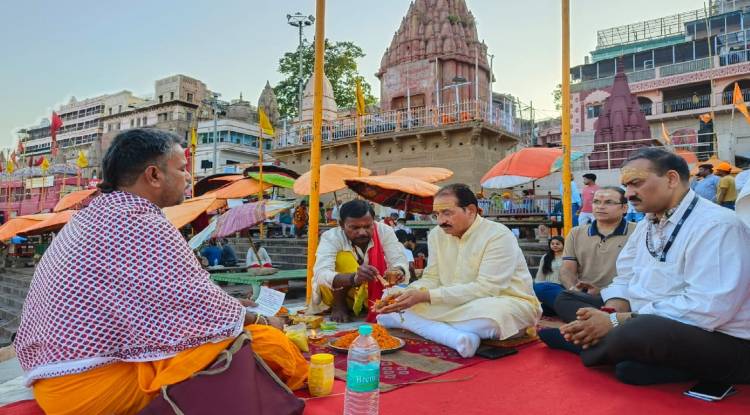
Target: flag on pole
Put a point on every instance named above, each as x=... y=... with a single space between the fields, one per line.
x=10 y=166
x=265 y=124
x=360 y=98
x=44 y=165
x=55 y=124
x=739 y=102
x=193 y=140
x=706 y=118
x=82 y=161
x=665 y=135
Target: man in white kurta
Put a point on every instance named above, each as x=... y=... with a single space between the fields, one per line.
x=476 y=284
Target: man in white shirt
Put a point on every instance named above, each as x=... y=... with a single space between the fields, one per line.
x=678 y=308
x=349 y=260
x=476 y=284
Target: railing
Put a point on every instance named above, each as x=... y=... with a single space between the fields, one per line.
x=685 y=104
x=401 y=120
x=728 y=96
x=526 y=206
x=636 y=76
x=685 y=67
x=731 y=58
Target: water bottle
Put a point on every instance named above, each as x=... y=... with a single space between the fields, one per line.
x=363 y=375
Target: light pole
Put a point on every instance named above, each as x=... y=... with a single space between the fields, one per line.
x=216 y=106
x=299 y=21
x=491 y=80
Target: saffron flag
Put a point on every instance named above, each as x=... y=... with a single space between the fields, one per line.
x=44 y=165
x=193 y=140
x=265 y=124
x=665 y=135
x=10 y=167
x=360 y=98
x=82 y=161
x=55 y=124
x=739 y=102
x=706 y=118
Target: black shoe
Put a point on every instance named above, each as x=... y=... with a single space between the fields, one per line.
x=555 y=340
x=636 y=373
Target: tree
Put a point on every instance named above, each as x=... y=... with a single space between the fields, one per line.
x=557 y=96
x=340 y=67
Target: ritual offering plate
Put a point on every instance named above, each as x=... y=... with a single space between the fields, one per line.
x=387 y=343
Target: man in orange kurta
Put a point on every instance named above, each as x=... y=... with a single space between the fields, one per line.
x=119 y=305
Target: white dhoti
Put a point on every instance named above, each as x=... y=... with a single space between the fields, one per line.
x=462 y=336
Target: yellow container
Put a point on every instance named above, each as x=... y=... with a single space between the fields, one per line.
x=320 y=377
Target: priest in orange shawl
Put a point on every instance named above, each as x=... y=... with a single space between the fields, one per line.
x=119 y=306
x=353 y=261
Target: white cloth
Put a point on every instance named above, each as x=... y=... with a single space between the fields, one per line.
x=741 y=179
x=251 y=259
x=481 y=275
x=742 y=206
x=585 y=218
x=334 y=241
x=705 y=280
x=408 y=254
x=463 y=337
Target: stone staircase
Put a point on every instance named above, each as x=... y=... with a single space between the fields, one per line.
x=14 y=285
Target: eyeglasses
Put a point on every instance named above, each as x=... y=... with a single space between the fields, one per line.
x=606 y=203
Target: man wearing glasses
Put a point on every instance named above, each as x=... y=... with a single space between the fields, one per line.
x=591 y=251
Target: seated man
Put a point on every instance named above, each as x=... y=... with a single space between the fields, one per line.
x=350 y=258
x=476 y=284
x=212 y=253
x=228 y=257
x=591 y=252
x=678 y=308
x=261 y=260
x=119 y=306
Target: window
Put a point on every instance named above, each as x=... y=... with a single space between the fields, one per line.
x=171 y=96
x=110 y=110
x=118 y=126
x=161 y=99
x=189 y=116
x=132 y=123
x=119 y=109
x=139 y=122
x=592 y=111
x=109 y=127
x=189 y=97
x=144 y=121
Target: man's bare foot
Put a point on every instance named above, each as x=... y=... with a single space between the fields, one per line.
x=340 y=314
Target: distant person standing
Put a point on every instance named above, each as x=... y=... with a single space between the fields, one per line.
x=575 y=199
x=300 y=219
x=706 y=184
x=726 y=194
x=587 y=196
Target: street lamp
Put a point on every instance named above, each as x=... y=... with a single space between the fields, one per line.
x=216 y=106
x=299 y=21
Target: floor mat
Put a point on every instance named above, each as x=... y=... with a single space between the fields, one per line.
x=538 y=380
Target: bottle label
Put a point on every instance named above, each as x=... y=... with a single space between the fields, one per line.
x=363 y=377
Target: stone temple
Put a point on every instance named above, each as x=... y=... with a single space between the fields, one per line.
x=434 y=108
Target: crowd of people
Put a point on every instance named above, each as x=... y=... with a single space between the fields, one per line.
x=120 y=307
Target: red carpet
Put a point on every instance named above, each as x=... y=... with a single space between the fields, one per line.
x=539 y=381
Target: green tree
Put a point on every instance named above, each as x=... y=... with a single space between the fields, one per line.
x=340 y=67
x=557 y=96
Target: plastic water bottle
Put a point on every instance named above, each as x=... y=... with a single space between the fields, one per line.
x=363 y=375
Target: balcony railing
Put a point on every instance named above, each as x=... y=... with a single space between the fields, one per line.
x=728 y=96
x=685 y=67
x=401 y=120
x=600 y=83
x=685 y=104
x=525 y=206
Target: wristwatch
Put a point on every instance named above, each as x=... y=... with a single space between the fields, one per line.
x=613 y=319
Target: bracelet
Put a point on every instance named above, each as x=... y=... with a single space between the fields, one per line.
x=265 y=320
x=257 y=317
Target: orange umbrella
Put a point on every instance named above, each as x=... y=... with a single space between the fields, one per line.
x=12 y=227
x=52 y=224
x=186 y=212
x=427 y=174
x=398 y=192
x=238 y=189
x=714 y=161
x=689 y=156
x=521 y=167
x=332 y=177
x=74 y=198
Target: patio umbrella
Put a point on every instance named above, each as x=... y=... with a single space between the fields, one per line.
x=196 y=241
x=74 y=198
x=397 y=192
x=714 y=161
x=52 y=224
x=214 y=182
x=272 y=168
x=523 y=166
x=247 y=216
x=427 y=174
x=332 y=177
x=278 y=180
x=238 y=189
x=19 y=224
x=189 y=210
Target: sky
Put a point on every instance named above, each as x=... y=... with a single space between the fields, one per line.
x=51 y=51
